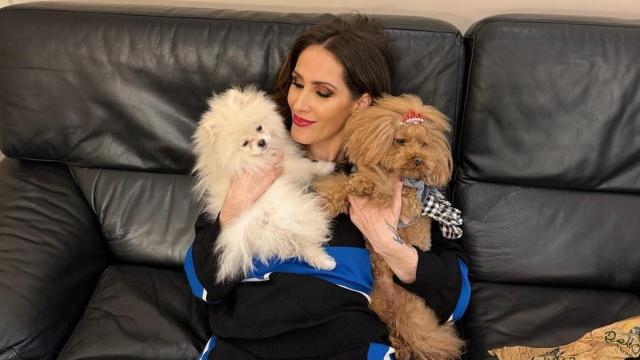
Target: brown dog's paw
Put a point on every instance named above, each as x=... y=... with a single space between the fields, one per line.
x=332 y=193
x=359 y=186
x=334 y=209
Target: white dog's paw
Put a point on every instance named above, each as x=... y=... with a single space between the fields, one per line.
x=328 y=263
x=319 y=167
x=326 y=167
x=320 y=260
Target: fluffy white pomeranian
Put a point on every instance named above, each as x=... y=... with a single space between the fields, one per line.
x=241 y=130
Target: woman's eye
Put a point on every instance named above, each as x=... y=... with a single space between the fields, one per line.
x=400 y=141
x=259 y=128
x=296 y=84
x=324 y=94
x=245 y=143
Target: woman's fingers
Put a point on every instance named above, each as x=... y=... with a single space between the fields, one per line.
x=247 y=187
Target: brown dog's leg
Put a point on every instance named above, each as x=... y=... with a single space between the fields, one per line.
x=333 y=191
x=372 y=183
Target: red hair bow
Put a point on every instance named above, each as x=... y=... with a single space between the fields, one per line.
x=412 y=117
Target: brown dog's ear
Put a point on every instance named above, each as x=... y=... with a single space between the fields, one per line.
x=441 y=173
x=439 y=146
x=369 y=136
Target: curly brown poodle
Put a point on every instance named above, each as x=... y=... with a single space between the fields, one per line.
x=398 y=136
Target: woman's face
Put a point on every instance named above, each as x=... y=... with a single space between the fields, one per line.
x=320 y=102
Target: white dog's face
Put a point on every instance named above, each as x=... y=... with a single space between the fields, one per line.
x=240 y=127
x=256 y=140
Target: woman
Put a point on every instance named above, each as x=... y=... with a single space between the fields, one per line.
x=332 y=70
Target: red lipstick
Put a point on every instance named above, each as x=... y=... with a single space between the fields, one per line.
x=302 y=122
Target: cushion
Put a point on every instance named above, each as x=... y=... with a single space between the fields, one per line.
x=146 y=218
x=539 y=316
x=140 y=313
x=123 y=87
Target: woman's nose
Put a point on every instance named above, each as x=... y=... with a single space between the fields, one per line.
x=301 y=102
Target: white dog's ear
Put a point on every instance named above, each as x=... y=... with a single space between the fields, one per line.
x=237 y=98
x=211 y=130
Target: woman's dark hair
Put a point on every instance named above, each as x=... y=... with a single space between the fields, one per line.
x=357 y=41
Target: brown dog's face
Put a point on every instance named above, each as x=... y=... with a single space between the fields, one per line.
x=415 y=153
x=379 y=137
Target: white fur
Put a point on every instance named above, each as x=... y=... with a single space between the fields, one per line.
x=286 y=221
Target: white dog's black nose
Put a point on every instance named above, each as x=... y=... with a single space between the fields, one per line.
x=262 y=143
x=417 y=161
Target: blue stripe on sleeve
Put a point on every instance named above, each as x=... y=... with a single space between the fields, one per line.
x=207 y=349
x=465 y=292
x=196 y=287
x=380 y=352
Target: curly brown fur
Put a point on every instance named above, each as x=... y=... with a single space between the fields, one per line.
x=382 y=147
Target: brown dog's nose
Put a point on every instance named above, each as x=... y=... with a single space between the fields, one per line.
x=417 y=161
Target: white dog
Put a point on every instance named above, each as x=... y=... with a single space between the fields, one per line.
x=241 y=130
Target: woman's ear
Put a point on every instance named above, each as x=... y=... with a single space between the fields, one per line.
x=362 y=102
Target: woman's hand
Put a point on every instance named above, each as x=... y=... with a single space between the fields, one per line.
x=247 y=187
x=379 y=226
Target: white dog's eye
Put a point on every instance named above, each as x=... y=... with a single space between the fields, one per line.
x=259 y=128
x=400 y=141
x=246 y=142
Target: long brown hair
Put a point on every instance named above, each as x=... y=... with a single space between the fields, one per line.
x=358 y=42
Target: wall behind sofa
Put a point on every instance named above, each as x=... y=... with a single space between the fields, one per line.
x=461 y=13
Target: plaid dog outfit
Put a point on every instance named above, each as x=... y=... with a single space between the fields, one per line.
x=436 y=206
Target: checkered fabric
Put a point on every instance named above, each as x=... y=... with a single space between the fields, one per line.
x=439 y=209
x=436 y=207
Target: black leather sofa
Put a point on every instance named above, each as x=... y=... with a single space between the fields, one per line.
x=98 y=103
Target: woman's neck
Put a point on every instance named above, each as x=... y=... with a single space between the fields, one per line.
x=327 y=152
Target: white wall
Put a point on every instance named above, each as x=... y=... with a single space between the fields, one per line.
x=460 y=13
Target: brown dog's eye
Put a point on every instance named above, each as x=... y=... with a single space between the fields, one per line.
x=424 y=145
x=400 y=141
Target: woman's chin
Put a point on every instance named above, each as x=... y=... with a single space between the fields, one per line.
x=298 y=135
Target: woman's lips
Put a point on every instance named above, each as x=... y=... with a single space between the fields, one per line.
x=302 y=122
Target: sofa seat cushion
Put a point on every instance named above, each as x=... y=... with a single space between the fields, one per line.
x=538 y=316
x=139 y=313
x=552 y=237
x=146 y=218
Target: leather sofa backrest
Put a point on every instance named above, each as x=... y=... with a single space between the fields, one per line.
x=549 y=177
x=115 y=92
x=94 y=86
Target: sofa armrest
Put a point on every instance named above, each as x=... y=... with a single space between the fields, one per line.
x=51 y=255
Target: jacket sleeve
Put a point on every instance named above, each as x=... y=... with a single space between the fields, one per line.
x=442 y=277
x=200 y=263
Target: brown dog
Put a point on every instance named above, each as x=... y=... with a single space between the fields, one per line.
x=398 y=136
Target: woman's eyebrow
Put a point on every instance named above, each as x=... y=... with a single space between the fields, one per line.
x=296 y=74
